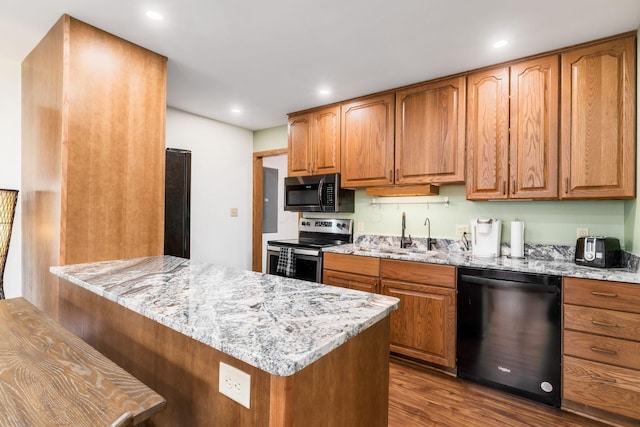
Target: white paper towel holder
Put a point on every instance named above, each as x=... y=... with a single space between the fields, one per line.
x=523 y=255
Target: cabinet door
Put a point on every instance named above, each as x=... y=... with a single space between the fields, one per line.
x=533 y=141
x=424 y=325
x=488 y=134
x=598 y=121
x=300 y=149
x=430 y=133
x=367 y=142
x=326 y=141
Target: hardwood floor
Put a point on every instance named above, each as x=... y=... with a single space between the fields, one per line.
x=422 y=397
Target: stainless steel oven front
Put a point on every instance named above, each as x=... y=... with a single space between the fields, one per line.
x=308 y=263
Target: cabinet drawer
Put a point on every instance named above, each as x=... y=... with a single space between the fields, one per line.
x=614 y=351
x=419 y=272
x=351 y=281
x=602 y=386
x=617 y=324
x=601 y=294
x=352 y=264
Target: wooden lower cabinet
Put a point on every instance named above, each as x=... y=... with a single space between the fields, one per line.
x=601 y=343
x=424 y=326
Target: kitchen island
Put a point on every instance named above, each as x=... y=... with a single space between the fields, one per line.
x=317 y=355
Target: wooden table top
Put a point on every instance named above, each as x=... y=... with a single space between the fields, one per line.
x=48 y=376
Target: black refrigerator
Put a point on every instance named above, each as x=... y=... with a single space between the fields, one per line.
x=177 y=202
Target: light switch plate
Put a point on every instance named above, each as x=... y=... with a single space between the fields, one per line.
x=234 y=212
x=235 y=384
x=582 y=232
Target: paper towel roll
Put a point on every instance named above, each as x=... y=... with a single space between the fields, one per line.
x=517 y=239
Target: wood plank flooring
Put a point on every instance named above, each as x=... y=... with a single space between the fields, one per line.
x=422 y=397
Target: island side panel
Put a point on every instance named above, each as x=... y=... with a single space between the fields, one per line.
x=182 y=370
x=347 y=387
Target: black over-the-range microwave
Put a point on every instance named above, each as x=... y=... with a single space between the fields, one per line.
x=317 y=193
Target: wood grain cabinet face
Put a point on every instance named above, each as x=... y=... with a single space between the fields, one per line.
x=314 y=142
x=598 y=121
x=601 y=343
x=300 y=148
x=424 y=326
x=512 y=137
x=430 y=133
x=533 y=142
x=367 y=142
x=352 y=272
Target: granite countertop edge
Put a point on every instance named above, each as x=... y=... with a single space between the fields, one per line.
x=258 y=347
x=465 y=259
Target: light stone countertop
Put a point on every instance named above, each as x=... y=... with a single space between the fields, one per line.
x=465 y=259
x=276 y=324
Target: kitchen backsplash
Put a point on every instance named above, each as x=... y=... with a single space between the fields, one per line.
x=539 y=251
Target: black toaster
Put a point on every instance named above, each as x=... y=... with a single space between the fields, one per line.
x=598 y=251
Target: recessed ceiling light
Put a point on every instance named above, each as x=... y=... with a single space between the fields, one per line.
x=324 y=91
x=152 y=14
x=500 y=43
x=236 y=110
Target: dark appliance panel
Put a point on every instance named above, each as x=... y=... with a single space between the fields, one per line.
x=177 y=203
x=508 y=333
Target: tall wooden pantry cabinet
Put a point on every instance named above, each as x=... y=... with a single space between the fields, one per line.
x=93 y=140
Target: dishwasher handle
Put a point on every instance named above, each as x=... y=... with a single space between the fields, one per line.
x=501 y=283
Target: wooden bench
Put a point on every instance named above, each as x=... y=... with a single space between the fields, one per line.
x=48 y=376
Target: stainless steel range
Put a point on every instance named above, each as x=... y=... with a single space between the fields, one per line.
x=301 y=258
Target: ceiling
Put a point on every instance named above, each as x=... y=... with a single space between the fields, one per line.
x=269 y=58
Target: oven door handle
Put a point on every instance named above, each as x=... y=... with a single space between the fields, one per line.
x=297 y=251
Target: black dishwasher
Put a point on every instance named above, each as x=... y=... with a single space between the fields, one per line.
x=508 y=332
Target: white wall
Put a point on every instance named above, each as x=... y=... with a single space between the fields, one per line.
x=10 y=156
x=221 y=179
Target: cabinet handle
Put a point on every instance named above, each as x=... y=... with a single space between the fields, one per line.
x=513 y=189
x=391 y=175
x=607 y=380
x=566 y=185
x=607 y=324
x=604 y=294
x=604 y=350
x=504 y=187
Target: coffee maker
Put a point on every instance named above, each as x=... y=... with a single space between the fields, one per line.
x=485 y=237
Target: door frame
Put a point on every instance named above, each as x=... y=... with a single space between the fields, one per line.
x=256 y=251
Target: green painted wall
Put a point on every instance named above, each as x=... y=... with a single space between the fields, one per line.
x=550 y=222
x=270 y=139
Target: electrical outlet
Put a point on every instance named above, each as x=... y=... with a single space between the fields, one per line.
x=582 y=232
x=360 y=226
x=235 y=384
x=461 y=229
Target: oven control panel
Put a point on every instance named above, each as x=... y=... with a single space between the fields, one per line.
x=326 y=225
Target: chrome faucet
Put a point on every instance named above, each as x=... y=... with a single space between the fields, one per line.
x=427 y=222
x=405 y=242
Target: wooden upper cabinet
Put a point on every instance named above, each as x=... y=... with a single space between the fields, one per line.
x=598 y=121
x=488 y=134
x=326 y=140
x=367 y=141
x=314 y=142
x=300 y=148
x=512 y=132
x=430 y=133
x=533 y=141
